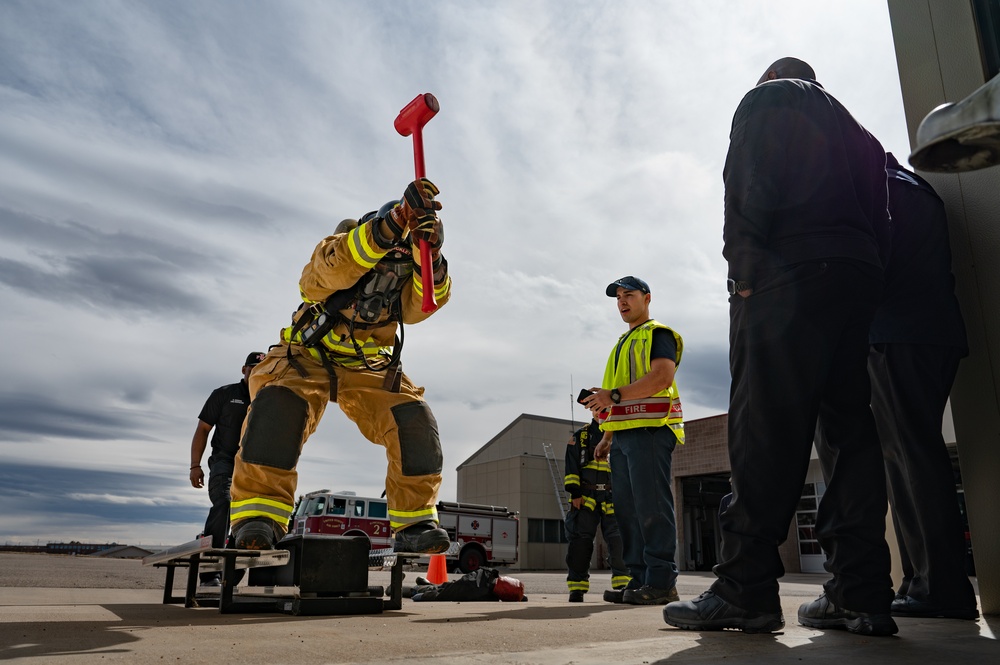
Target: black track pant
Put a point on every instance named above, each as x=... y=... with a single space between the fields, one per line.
x=910 y=387
x=798 y=352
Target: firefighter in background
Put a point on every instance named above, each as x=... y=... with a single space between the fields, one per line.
x=362 y=285
x=588 y=482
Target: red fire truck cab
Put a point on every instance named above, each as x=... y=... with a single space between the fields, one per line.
x=480 y=534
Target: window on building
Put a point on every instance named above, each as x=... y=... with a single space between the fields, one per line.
x=546 y=531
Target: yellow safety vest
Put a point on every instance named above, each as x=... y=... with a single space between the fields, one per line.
x=630 y=363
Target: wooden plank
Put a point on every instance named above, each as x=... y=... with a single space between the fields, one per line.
x=178 y=551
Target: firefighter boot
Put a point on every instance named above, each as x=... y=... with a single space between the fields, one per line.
x=259 y=533
x=422 y=538
x=576 y=596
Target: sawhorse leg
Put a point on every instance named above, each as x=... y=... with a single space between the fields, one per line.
x=395 y=601
x=192 y=582
x=228 y=582
x=168 y=586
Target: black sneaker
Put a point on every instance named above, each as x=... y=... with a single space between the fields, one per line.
x=614 y=596
x=212 y=580
x=576 y=596
x=422 y=538
x=709 y=612
x=822 y=613
x=647 y=595
x=908 y=606
x=258 y=533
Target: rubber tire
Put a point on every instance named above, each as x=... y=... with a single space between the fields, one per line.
x=471 y=559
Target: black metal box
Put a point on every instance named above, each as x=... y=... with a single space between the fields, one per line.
x=320 y=565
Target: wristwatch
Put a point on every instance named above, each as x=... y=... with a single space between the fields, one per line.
x=737 y=285
x=616 y=396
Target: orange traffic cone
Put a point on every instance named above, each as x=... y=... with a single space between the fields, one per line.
x=437 y=571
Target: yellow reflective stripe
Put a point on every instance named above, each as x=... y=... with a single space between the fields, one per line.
x=341 y=359
x=620 y=581
x=576 y=585
x=401 y=518
x=572 y=479
x=260 y=507
x=598 y=466
x=346 y=347
x=442 y=289
x=632 y=367
x=678 y=431
x=589 y=503
x=608 y=508
x=364 y=253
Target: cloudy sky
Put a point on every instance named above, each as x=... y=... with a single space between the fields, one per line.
x=167 y=168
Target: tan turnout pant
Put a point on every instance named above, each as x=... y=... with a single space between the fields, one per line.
x=285 y=409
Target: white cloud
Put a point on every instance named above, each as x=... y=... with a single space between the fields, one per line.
x=166 y=169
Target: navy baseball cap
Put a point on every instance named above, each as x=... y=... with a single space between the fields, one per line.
x=629 y=283
x=254 y=359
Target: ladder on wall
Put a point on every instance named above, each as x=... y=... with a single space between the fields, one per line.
x=557 y=483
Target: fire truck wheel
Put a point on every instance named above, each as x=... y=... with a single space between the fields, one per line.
x=471 y=559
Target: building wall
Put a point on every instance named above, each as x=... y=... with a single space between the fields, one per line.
x=939 y=61
x=512 y=470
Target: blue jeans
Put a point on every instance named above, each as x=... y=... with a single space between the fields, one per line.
x=644 y=503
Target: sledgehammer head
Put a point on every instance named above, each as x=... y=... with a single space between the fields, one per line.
x=416 y=114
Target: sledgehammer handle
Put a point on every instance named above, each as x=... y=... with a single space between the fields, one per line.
x=411 y=120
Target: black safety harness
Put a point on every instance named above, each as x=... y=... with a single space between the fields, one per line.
x=377 y=292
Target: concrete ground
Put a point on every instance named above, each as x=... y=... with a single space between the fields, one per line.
x=68 y=610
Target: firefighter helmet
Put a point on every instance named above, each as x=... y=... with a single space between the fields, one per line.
x=509 y=589
x=345 y=226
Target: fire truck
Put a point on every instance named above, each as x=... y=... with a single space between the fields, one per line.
x=480 y=534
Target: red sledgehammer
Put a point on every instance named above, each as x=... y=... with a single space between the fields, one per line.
x=411 y=120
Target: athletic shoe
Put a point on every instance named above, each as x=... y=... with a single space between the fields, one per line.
x=908 y=606
x=709 y=612
x=822 y=613
x=213 y=580
x=647 y=595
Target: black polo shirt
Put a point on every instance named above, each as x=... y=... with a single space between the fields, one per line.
x=225 y=410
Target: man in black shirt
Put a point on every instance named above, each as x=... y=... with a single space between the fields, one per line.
x=917 y=340
x=224 y=410
x=806 y=229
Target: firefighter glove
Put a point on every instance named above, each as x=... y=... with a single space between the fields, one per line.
x=418 y=206
x=433 y=232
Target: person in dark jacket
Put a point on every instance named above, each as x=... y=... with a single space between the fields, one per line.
x=225 y=409
x=588 y=482
x=917 y=339
x=806 y=229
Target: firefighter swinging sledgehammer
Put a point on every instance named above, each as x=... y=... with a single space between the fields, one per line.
x=360 y=288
